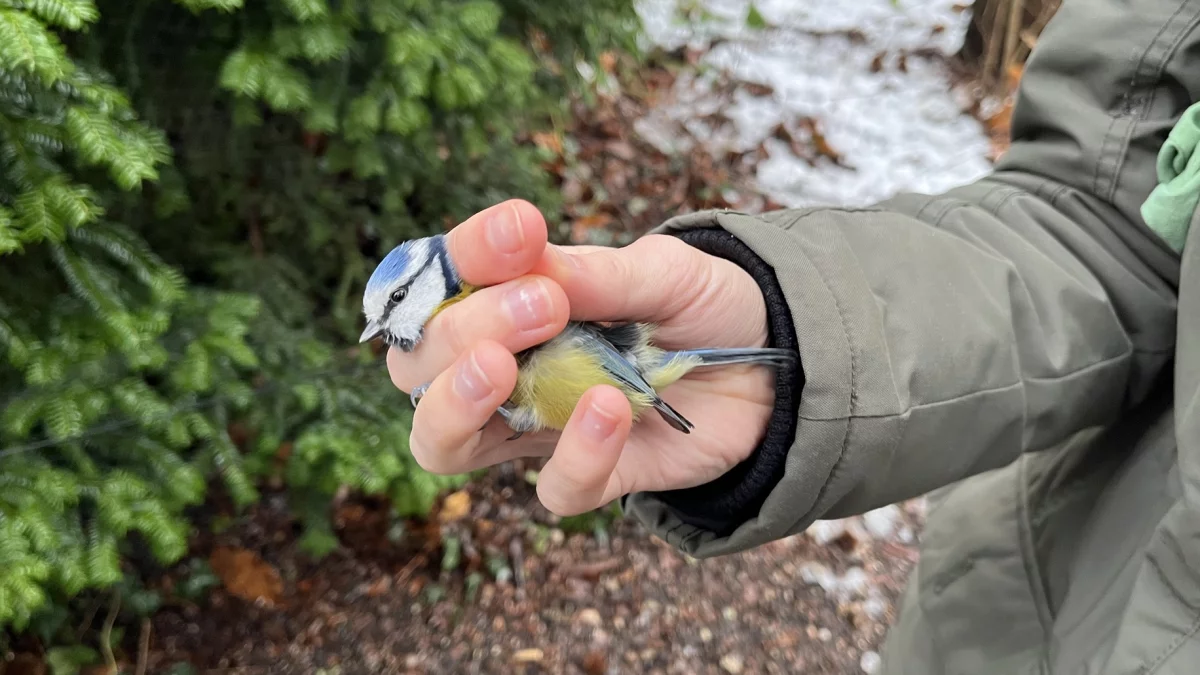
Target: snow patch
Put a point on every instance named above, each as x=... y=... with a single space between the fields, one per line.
x=866 y=70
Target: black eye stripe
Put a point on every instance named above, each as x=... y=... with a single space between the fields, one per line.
x=429 y=260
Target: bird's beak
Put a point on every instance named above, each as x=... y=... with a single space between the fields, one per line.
x=373 y=331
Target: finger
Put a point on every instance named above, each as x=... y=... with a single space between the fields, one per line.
x=578 y=477
x=445 y=428
x=655 y=276
x=495 y=447
x=499 y=243
x=518 y=315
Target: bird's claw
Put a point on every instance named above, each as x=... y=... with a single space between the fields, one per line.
x=417 y=394
x=515 y=436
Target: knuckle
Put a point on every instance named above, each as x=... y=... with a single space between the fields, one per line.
x=688 y=272
x=556 y=297
x=428 y=458
x=554 y=501
x=664 y=248
x=450 y=331
x=399 y=371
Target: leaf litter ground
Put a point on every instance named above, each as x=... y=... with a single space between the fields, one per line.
x=527 y=594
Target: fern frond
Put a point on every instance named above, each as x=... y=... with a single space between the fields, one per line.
x=26 y=45
x=9 y=241
x=198 y=6
x=69 y=14
x=306 y=10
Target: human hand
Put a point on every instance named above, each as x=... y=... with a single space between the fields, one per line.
x=534 y=288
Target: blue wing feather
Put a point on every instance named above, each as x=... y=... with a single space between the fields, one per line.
x=623 y=371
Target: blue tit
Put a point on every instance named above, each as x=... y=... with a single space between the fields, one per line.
x=417 y=279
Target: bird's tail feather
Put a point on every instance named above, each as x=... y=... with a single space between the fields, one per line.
x=726 y=357
x=672 y=416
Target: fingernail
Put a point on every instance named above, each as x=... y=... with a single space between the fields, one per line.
x=597 y=424
x=504 y=230
x=528 y=305
x=471 y=383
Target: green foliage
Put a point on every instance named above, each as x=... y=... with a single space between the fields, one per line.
x=592 y=522
x=192 y=194
x=70 y=660
x=755 y=19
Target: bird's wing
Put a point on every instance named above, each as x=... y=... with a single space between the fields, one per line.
x=621 y=370
x=625 y=338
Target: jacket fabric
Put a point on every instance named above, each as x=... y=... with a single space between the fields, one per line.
x=1025 y=350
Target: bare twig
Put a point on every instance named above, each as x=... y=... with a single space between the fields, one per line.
x=1029 y=38
x=143 y=647
x=593 y=569
x=411 y=566
x=991 y=61
x=88 y=618
x=1016 y=18
x=114 y=608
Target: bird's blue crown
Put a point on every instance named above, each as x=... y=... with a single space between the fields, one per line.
x=391 y=267
x=397 y=261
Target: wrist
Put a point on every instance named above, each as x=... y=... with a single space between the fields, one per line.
x=737 y=495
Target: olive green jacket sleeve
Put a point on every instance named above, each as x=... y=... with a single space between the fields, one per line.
x=942 y=336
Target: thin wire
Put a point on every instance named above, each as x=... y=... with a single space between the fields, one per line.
x=104 y=429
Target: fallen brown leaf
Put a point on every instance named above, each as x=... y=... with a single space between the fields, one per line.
x=246 y=575
x=756 y=89
x=797 y=146
x=819 y=141
x=455 y=506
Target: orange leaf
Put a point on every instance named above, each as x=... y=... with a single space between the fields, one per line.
x=246 y=575
x=608 y=61
x=1012 y=76
x=548 y=140
x=456 y=505
x=581 y=226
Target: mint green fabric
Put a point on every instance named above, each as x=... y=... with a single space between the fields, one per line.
x=1170 y=207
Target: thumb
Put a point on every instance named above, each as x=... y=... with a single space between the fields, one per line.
x=656 y=276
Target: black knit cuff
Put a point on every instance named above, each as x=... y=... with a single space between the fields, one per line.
x=721 y=505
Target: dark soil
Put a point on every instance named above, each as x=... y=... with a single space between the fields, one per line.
x=530 y=598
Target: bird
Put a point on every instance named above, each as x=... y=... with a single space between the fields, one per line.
x=417 y=279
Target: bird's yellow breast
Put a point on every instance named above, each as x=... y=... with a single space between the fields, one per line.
x=555 y=377
x=464 y=291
